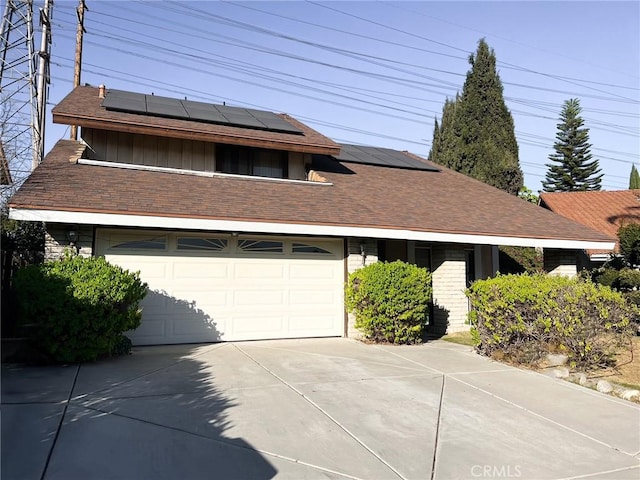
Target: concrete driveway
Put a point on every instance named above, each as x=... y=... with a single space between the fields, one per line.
x=319 y=408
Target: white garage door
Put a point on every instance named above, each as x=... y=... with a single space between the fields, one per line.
x=210 y=287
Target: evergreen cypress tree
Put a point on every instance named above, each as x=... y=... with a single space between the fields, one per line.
x=476 y=135
x=574 y=169
x=634 y=179
x=445 y=146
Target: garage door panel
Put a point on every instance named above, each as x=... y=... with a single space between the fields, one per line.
x=311 y=297
x=310 y=324
x=315 y=270
x=150 y=269
x=196 y=325
x=203 y=299
x=151 y=331
x=155 y=302
x=256 y=271
x=216 y=269
x=234 y=294
x=264 y=324
x=258 y=298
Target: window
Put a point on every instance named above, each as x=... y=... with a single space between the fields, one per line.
x=251 y=161
x=156 y=243
x=202 y=243
x=260 y=246
x=304 y=248
x=423 y=256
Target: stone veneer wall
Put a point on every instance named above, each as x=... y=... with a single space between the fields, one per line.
x=449 y=283
x=354 y=262
x=55 y=240
x=561 y=262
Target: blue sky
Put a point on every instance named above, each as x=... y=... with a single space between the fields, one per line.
x=374 y=73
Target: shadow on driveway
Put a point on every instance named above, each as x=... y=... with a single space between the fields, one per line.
x=155 y=414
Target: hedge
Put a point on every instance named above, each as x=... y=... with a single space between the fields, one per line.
x=524 y=317
x=390 y=301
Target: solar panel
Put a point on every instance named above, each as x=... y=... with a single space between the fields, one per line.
x=384 y=157
x=134 y=103
x=165 y=107
x=121 y=101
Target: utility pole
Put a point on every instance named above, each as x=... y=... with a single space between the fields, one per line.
x=78 y=61
x=44 y=78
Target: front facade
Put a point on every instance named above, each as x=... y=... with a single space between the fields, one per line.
x=245 y=224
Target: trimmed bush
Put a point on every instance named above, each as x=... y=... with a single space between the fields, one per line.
x=390 y=301
x=77 y=309
x=524 y=317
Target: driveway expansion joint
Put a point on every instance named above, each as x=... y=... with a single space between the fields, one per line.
x=60 y=423
x=325 y=413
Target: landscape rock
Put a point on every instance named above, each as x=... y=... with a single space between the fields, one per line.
x=582 y=379
x=556 y=360
x=630 y=394
x=561 y=372
x=604 y=387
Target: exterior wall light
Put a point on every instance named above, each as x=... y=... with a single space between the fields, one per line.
x=72 y=236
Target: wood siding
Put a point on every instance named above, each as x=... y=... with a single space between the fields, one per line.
x=122 y=147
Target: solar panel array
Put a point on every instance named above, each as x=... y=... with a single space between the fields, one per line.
x=153 y=105
x=384 y=157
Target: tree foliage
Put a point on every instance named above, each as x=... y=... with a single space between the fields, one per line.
x=629 y=237
x=573 y=168
x=476 y=135
x=634 y=178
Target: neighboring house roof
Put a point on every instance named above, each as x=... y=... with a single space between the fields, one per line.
x=83 y=107
x=5 y=173
x=358 y=200
x=604 y=211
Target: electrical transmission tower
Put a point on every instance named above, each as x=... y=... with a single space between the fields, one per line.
x=24 y=79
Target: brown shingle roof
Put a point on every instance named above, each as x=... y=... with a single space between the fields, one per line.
x=361 y=196
x=604 y=211
x=83 y=107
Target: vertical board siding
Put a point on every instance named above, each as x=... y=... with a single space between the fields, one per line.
x=122 y=147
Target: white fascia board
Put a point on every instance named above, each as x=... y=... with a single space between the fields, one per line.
x=196 y=173
x=119 y=220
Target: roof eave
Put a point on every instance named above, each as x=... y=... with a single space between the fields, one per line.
x=189 y=134
x=31 y=213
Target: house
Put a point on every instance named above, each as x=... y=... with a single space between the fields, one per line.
x=245 y=223
x=604 y=211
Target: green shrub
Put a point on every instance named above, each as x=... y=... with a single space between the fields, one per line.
x=629 y=237
x=608 y=277
x=524 y=317
x=78 y=308
x=628 y=279
x=390 y=301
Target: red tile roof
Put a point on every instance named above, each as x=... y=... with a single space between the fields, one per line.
x=604 y=211
x=361 y=195
x=83 y=107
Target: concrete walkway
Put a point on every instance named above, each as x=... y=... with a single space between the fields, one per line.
x=316 y=409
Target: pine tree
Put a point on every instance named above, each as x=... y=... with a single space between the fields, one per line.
x=574 y=169
x=634 y=179
x=476 y=135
